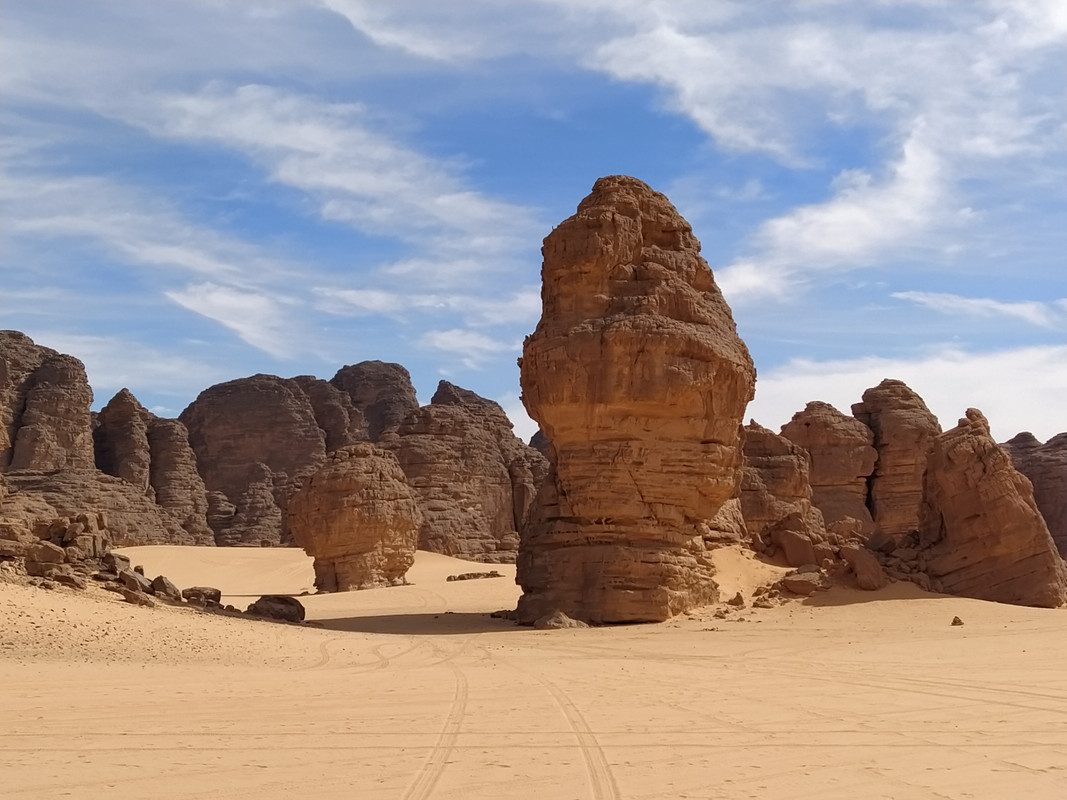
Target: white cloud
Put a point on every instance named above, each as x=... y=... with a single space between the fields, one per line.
x=257 y=318
x=1034 y=313
x=1018 y=390
x=522 y=307
x=472 y=348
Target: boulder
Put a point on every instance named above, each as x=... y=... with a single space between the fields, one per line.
x=358 y=518
x=278 y=606
x=980 y=532
x=865 y=567
x=841 y=457
x=639 y=380
x=200 y=595
x=1045 y=465
x=135 y=581
x=904 y=430
x=162 y=586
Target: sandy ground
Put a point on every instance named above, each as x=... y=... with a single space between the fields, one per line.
x=415 y=692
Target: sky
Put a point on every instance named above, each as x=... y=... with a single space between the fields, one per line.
x=192 y=192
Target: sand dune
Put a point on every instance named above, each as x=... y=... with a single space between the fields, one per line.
x=415 y=692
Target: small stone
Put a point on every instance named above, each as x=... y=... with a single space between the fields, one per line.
x=956 y=621
x=738 y=601
x=278 y=606
x=558 y=620
x=136 y=598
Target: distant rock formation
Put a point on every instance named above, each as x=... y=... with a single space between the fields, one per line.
x=49 y=457
x=251 y=437
x=639 y=380
x=904 y=430
x=842 y=457
x=44 y=408
x=473 y=478
x=981 y=534
x=1046 y=467
x=358 y=518
x=381 y=391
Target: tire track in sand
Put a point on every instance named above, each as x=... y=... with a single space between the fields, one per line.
x=424 y=783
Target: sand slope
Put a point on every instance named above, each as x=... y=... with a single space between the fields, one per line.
x=414 y=692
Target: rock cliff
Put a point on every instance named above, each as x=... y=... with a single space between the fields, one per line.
x=381 y=391
x=980 y=532
x=842 y=457
x=473 y=478
x=251 y=437
x=358 y=518
x=44 y=403
x=904 y=430
x=636 y=375
x=1045 y=465
x=776 y=498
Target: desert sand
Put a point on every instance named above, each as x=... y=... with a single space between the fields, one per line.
x=414 y=692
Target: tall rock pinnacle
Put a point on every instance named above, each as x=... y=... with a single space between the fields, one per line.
x=639 y=380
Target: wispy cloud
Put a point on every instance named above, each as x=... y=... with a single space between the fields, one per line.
x=1044 y=315
x=518 y=308
x=470 y=348
x=258 y=319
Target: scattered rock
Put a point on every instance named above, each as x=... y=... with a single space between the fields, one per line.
x=737 y=601
x=557 y=620
x=136 y=598
x=804 y=583
x=135 y=581
x=956 y=621
x=468 y=576
x=163 y=587
x=865 y=566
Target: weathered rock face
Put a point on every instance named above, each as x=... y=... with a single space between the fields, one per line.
x=179 y=490
x=473 y=478
x=636 y=375
x=340 y=421
x=44 y=403
x=1046 y=467
x=121 y=441
x=775 y=486
x=251 y=437
x=381 y=391
x=358 y=518
x=981 y=534
x=842 y=458
x=904 y=430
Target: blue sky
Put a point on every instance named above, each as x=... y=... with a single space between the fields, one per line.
x=193 y=192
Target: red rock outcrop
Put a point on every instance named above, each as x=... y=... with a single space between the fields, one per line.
x=1046 y=467
x=842 y=458
x=44 y=403
x=251 y=437
x=473 y=478
x=340 y=421
x=639 y=380
x=980 y=532
x=776 y=498
x=904 y=430
x=358 y=518
x=381 y=391
x=121 y=441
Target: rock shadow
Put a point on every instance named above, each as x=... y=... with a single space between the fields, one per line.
x=442 y=624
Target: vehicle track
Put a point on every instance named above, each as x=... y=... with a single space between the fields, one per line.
x=423 y=785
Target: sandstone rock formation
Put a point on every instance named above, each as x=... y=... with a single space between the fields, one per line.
x=842 y=457
x=179 y=490
x=44 y=408
x=121 y=441
x=776 y=498
x=981 y=534
x=358 y=518
x=636 y=375
x=251 y=437
x=904 y=430
x=474 y=480
x=381 y=391
x=1046 y=467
